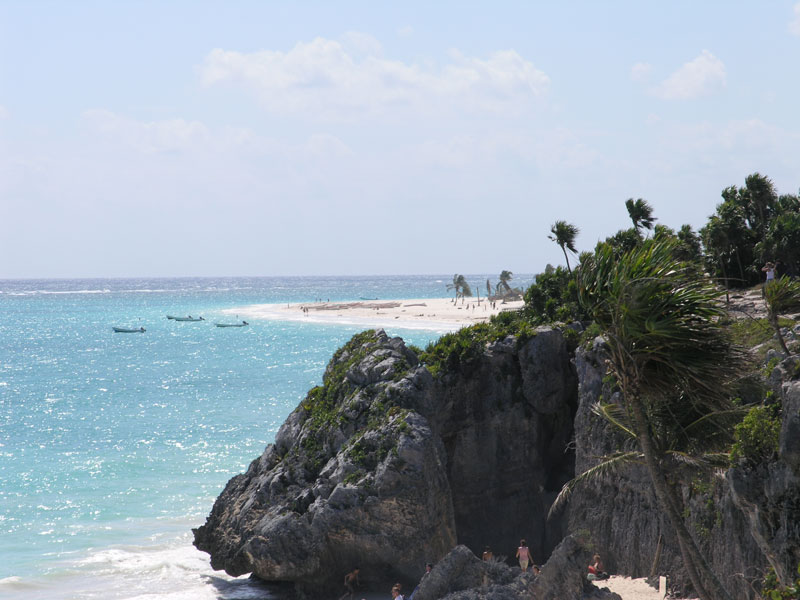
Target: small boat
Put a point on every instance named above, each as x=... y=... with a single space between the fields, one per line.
x=189 y=319
x=242 y=324
x=128 y=330
x=171 y=318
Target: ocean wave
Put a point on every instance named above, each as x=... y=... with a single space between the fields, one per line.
x=174 y=570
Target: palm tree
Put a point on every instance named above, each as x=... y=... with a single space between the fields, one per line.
x=781 y=295
x=505 y=277
x=640 y=212
x=564 y=235
x=460 y=286
x=665 y=343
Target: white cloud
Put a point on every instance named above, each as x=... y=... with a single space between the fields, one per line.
x=361 y=43
x=641 y=71
x=324 y=78
x=794 y=24
x=701 y=76
x=405 y=31
x=3 y=112
x=156 y=136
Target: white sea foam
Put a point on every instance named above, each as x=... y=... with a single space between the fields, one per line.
x=103 y=291
x=174 y=570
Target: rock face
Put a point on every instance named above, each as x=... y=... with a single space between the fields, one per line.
x=769 y=495
x=621 y=516
x=462 y=576
x=386 y=468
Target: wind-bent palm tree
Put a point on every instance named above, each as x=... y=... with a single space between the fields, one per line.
x=460 y=286
x=564 y=235
x=505 y=277
x=641 y=213
x=665 y=343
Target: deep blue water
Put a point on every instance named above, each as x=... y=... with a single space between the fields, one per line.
x=112 y=446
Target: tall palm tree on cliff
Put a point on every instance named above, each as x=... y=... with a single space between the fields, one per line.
x=564 y=235
x=460 y=286
x=641 y=213
x=662 y=326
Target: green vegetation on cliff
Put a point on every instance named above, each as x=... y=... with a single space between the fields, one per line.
x=457 y=350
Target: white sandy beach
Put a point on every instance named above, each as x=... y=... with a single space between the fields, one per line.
x=631 y=589
x=437 y=314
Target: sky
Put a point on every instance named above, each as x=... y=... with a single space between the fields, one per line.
x=170 y=138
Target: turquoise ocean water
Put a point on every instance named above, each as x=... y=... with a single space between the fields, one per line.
x=113 y=446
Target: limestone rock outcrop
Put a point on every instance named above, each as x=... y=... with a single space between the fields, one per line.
x=622 y=517
x=391 y=464
x=769 y=494
x=462 y=576
x=386 y=467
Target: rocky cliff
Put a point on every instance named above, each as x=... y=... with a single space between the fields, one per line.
x=620 y=514
x=387 y=467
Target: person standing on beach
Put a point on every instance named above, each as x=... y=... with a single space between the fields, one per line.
x=524 y=555
x=350 y=580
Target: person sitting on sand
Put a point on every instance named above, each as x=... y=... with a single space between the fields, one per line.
x=596 y=569
x=350 y=580
x=524 y=555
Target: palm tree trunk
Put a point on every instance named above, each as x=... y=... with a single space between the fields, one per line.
x=773 y=320
x=566 y=258
x=741 y=270
x=693 y=561
x=725 y=277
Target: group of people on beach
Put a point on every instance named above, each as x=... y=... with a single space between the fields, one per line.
x=523 y=555
x=596 y=572
x=596 y=568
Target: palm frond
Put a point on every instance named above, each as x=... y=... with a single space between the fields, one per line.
x=610 y=464
x=615 y=415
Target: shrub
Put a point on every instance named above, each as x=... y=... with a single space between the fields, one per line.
x=459 y=349
x=772 y=590
x=756 y=437
x=553 y=297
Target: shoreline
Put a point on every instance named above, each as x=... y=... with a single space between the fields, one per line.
x=432 y=314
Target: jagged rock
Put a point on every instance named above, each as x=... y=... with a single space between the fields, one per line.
x=462 y=576
x=563 y=576
x=387 y=467
x=623 y=520
x=332 y=492
x=459 y=570
x=546 y=376
x=769 y=494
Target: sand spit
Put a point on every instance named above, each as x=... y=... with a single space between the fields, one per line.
x=435 y=314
